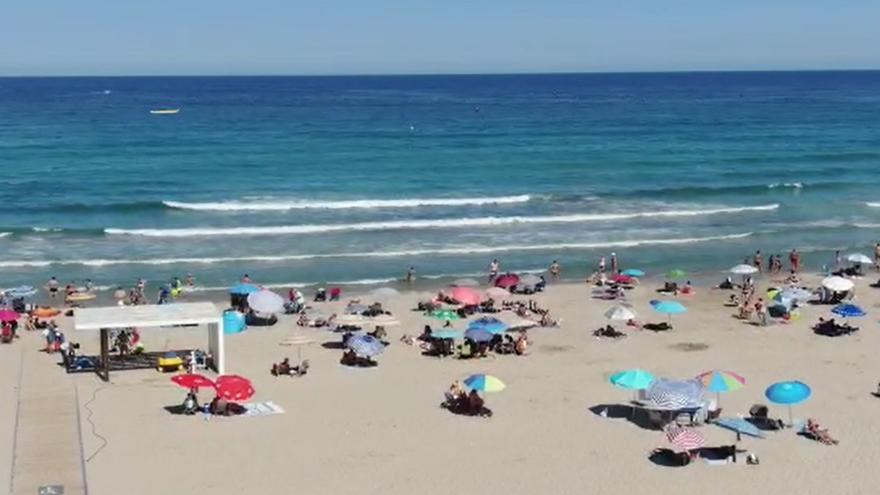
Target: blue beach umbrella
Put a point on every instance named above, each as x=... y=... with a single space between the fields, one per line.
x=848 y=311
x=446 y=334
x=634 y=379
x=479 y=335
x=243 y=289
x=492 y=325
x=668 y=308
x=739 y=425
x=633 y=272
x=21 y=291
x=365 y=345
x=788 y=393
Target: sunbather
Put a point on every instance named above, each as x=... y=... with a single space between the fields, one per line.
x=814 y=431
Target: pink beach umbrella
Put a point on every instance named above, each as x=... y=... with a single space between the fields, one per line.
x=497 y=293
x=8 y=315
x=507 y=281
x=467 y=296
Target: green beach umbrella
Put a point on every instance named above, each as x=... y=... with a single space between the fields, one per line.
x=446 y=314
x=675 y=274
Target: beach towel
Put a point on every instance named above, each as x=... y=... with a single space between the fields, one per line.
x=265 y=408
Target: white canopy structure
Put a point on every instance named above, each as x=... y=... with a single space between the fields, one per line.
x=163 y=315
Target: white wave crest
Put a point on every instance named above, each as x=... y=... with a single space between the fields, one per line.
x=344 y=205
x=5 y=234
x=790 y=185
x=426 y=224
x=380 y=254
x=872 y=204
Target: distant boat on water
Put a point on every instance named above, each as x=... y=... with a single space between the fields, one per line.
x=165 y=111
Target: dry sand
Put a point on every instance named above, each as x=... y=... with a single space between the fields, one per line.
x=381 y=430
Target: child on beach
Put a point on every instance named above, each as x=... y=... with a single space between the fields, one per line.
x=555 y=269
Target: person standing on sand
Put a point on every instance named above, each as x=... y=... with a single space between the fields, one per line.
x=837 y=260
x=555 y=269
x=614 y=264
x=794 y=258
x=411 y=275
x=758 y=261
x=877 y=256
x=601 y=264
x=494 y=268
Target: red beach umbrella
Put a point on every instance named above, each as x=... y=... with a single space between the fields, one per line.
x=623 y=279
x=467 y=296
x=507 y=281
x=190 y=381
x=234 y=388
x=8 y=315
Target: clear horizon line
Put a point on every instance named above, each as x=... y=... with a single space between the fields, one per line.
x=447 y=74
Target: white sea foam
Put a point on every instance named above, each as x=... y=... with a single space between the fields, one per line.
x=46 y=229
x=4 y=234
x=379 y=254
x=873 y=204
x=344 y=205
x=789 y=185
x=428 y=224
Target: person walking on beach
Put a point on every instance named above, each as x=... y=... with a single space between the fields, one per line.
x=601 y=265
x=494 y=268
x=794 y=258
x=411 y=275
x=877 y=256
x=555 y=269
x=52 y=286
x=614 y=264
x=758 y=261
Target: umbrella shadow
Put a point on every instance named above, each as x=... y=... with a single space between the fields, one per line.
x=337 y=345
x=175 y=410
x=630 y=413
x=669 y=458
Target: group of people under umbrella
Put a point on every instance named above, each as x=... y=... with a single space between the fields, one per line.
x=679 y=406
x=229 y=393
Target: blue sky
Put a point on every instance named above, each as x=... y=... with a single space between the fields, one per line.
x=58 y=37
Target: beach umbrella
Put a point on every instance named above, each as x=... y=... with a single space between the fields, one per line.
x=484 y=383
x=684 y=439
x=676 y=274
x=788 y=393
x=384 y=320
x=234 y=388
x=8 y=315
x=515 y=322
x=672 y=395
x=297 y=341
x=739 y=425
x=633 y=272
x=794 y=294
x=721 y=381
x=848 y=311
x=530 y=280
x=497 y=293
x=384 y=293
x=21 y=291
x=668 y=308
x=446 y=334
x=192 y=381
x=478 y=334
x=466 y=282
x=859 y=259
x=365 y=345
x=743 y=270
x=467 y=296
x=507 y=281
x=243 y=289
x=623 y=279
x=445 y=314
x=491 y=325
x=837 y=284
x=634 y=379
x=265 y=301
x=620 y=313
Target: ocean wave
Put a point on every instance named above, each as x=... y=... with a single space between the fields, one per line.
x=872 y=204
x=5 y=234
x=428 y=224
x=786 y=185
x=46 y=229
x=345 y=205
x=379 y=254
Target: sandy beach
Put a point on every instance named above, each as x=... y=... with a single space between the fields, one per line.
x=348 y=430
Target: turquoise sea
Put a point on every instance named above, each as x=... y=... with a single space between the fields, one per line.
x=353 y=179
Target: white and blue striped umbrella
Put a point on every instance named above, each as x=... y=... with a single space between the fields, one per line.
x=671 y=395
x=365 y=345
